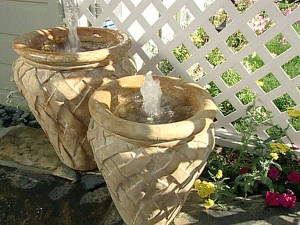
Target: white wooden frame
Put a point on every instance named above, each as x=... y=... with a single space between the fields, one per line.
x=136 y=23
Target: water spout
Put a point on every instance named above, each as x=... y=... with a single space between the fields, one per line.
x=151 y=93
x=71 y=20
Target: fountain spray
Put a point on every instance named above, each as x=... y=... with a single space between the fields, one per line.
x=151 y=93
x=71 y=20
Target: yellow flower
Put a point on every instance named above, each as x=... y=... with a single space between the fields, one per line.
x=197 y=184
x=208 y=203
x=278 y=147
x=219 y=174
x=274 y=155
x=293 y=112
x=203 y=193
x=205 y=189
x=260 y=83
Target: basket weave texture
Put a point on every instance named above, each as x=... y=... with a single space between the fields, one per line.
x=59 y=101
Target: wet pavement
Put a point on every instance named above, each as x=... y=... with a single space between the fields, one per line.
x=36 y=189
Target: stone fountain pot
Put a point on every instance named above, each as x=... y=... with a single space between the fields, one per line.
x=150 y=168
x=57 y=84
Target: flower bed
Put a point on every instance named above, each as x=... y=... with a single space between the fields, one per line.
x=267 y=167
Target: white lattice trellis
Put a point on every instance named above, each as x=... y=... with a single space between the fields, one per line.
x=158 y=22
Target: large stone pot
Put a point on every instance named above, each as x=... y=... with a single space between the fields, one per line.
x=57 y=84
x=150 y=168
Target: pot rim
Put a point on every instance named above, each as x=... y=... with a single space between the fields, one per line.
x=100 y=57
x=152 y=132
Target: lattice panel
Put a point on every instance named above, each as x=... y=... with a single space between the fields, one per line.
x=162 y=28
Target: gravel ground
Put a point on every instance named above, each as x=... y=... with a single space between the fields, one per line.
x=11 y=116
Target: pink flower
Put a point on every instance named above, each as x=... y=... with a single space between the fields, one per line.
x=243 y=170
x=293 y=177
x=272 y=198
x=284 y=41
x=287 y=12
x=258 y=23
x=293 y=147
x=273 y=172
x=287 y=200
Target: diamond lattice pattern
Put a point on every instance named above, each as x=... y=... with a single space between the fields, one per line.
x=229 y=52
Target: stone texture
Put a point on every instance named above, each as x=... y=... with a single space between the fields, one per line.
x=150 y=168
x=29 y=147
x=239 y=211
x=92 y=181
x=50 y=201
x=96 y=196
x=57 y=85
x=58 y=192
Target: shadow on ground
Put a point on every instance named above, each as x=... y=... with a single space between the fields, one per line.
x=36 y=189
x=30 y=198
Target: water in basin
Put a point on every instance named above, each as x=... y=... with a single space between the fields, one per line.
x=151 y=106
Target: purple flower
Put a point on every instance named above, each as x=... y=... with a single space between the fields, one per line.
x=243 y=170
x=287 y=200
x=273 y=172
x=293 y=177
x=272 y=198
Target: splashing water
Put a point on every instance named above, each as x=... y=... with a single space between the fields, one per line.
x=150 y=106
x=71 y=20
x=151 y=93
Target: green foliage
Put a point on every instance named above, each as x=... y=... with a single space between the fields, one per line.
x=219 y=17
x=259 y=114
x=230 y=77
x=181 y=53
x=275 y=130
x=284 y=102
x=199 y=37
x=268 y=83
x=215 y=57
x=212 y=89
x=226 y=108
x=242 y=5
x=252 y=62
x=292 y=67
x=236 y=41
x=295 y=123
x=165 y=67
x=296 y=27
x=246 y=169
x=246 y=96
x=278 y=45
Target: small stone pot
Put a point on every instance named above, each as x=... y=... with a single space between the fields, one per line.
x=57 y=84
x=150 y=168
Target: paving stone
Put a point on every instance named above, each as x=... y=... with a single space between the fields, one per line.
x=97 y=196
x=113 y=217
x=25 y=115
x=92 y=181
x=21 y=181
x=58 y=192
x=238 y=211
x=33 y=206
x=185 y=218
x=30 y=147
